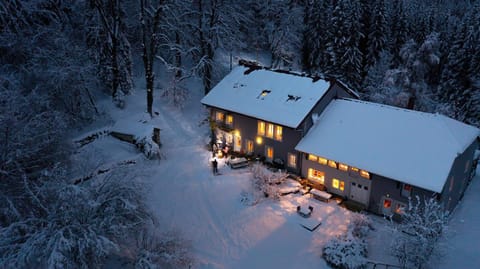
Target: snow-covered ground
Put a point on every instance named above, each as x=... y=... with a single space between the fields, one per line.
x=226 y=232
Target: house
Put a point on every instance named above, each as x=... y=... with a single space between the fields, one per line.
x=379 y=155
x=373 y=155
x=263 y=112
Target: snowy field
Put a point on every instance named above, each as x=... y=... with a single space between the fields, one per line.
x=223 y=229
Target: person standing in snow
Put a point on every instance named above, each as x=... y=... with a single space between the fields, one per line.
x=215 y=166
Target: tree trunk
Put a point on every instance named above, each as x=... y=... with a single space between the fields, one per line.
x=178 y=56
x=150 y=77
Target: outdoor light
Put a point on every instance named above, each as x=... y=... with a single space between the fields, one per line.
x=237 y=133
x=259 y=140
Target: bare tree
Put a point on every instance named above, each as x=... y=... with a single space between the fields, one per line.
x=150 y=16
x=114 y=47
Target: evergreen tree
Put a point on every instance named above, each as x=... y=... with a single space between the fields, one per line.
x=376 y=41
x=344 y=48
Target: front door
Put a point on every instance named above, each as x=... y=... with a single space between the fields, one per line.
x=359 y=193
x=237 y=143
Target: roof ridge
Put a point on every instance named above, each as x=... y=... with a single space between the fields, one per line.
x=392 y=107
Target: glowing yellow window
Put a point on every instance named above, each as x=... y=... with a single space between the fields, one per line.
x=317 y=175
x=338 y=184
x=332 y=164
x=278 y=133
x=354 y=169
x=292 y=160
x=269 y=151
x=261 y=128
x=343 y=167
x=365 y=174
x=249 y=146
x=322 y=161
x=312 y=157
x=219 y=116
x=229 y=120
x=270 y=128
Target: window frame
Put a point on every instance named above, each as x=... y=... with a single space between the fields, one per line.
x=248 y=146
x=229 y=120
x=278 y=133
x=267 y=149
x=270 y=130
x=261 y=128
x=219 y=116
x=316 y=175
x=291 y=156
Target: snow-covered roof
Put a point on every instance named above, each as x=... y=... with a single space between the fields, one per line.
x=409 y=146
x=277 y=97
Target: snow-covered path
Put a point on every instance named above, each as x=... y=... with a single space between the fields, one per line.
x=462 y=240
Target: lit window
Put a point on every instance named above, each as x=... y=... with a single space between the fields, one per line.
x=270 y=128
x=399 y=208
x=249 y=146
x=332 y=164
x=219 y=116
x=265 y=93
x=406 y=190
x=387 y=203
x=353 y=169
x=292 y=160
x=278 y=133
x=322 y=161
x=312 y=157
x=365 y=174
x=261 y=128
x=269 y=151
x=338 y=184
x=229 y=120
x=238 y=143
x=317 y=175
x=343 y=167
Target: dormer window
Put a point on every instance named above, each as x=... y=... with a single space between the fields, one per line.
x=263 y=94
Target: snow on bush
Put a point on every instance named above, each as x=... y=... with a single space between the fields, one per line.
x=265 y=182
x=149 y=148
x=161 y=250
x=349 y=251
x=415 y=237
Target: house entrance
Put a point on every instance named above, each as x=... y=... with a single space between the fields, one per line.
x=237 y=143
x=359 y=193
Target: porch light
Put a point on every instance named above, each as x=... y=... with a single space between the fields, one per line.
x=237 y=133
x=259 y=140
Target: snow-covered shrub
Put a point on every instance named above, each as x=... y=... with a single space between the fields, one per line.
x=349 y=251
x=346 y=252
x=360 y=225
x=72 y=226
x=415 y=237
x=148 y=147
x=161 y=250
x=266 y=181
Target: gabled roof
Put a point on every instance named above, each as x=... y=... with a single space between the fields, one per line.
x=409 y=146
x=278 y=97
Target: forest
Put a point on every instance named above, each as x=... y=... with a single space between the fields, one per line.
x=59 y=57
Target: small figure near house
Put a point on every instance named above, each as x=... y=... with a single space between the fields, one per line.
x=226 y=150
x=215 y=166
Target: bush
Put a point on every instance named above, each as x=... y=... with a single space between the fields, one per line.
x=349 y=251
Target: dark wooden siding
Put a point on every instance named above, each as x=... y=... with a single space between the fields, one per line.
x=459 y=177
x=247 y=127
